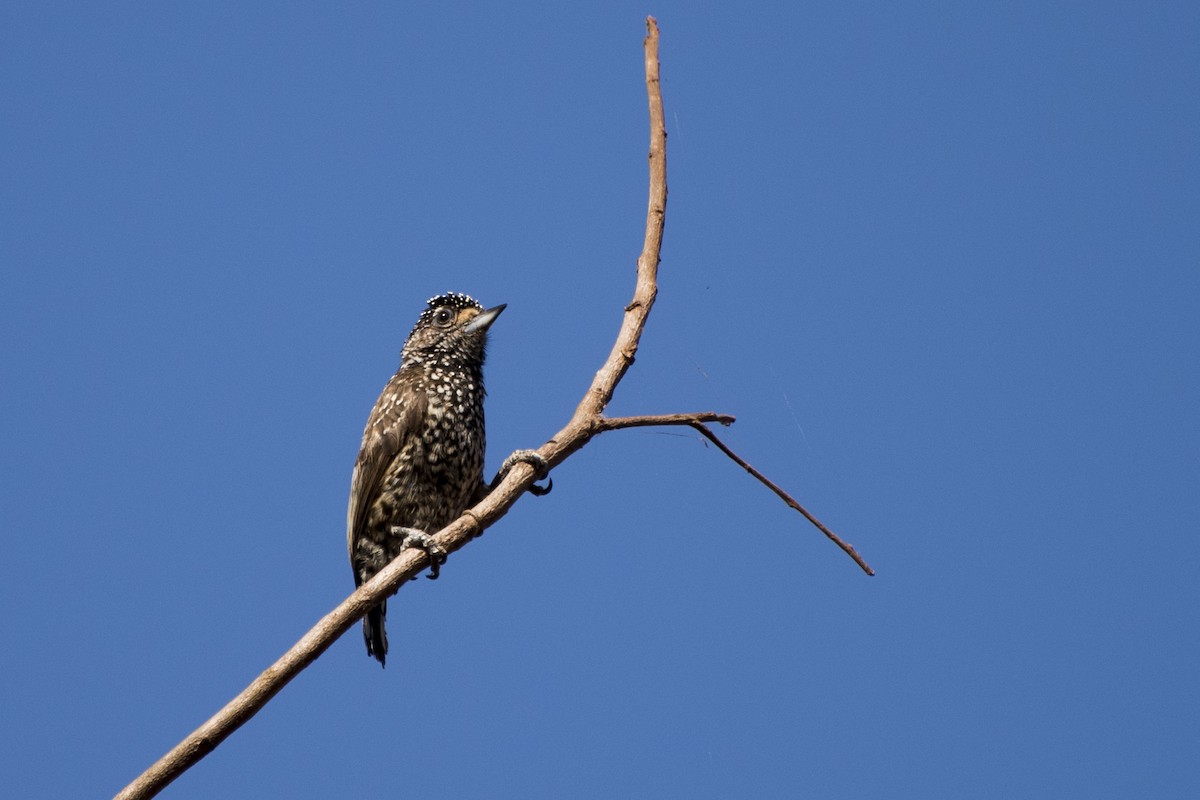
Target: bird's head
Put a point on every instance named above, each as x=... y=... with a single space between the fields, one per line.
x=453 y=326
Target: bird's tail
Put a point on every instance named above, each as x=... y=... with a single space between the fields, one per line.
x=375 y=634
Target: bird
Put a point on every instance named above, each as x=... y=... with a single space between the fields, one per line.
x=420 y=464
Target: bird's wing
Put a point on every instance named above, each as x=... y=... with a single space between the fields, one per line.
x=396 y=417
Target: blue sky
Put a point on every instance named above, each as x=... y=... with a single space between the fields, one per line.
x=941 y=260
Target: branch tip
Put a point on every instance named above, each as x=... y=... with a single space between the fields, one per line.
x=846 y=547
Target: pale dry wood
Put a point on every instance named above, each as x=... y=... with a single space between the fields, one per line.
x=587 y=421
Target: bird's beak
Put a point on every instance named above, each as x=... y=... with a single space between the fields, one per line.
x=485 y=319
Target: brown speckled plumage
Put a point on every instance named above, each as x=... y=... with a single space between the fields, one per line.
x=421 y=462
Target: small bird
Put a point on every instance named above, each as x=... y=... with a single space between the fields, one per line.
x=421 y=461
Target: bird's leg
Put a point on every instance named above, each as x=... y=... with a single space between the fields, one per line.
x=534 y=459
x=422 y=541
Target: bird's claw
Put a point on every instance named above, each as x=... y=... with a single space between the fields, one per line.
x=534 y=459
x=424 y=542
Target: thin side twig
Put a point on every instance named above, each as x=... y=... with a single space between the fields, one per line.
x=784 y=496
x=654 y=420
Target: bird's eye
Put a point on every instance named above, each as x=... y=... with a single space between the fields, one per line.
x=443 y=316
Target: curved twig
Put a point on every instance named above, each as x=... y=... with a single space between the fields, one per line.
x=578 y=431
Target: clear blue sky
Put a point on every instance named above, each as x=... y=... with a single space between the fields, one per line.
x=941 y=260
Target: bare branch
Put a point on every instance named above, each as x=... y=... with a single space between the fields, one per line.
x=587 y=421
x=583 y=425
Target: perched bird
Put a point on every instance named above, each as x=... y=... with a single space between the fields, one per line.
x=421 y=462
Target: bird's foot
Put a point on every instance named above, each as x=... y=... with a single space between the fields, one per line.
x=534 y=459
x=423 y=541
